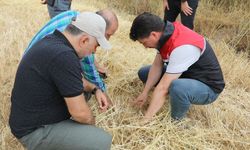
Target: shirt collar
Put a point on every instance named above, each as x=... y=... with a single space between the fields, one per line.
x=167 y=32
x=63 y=38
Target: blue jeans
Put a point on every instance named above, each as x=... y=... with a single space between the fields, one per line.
x=59 y=7
x=183 y=92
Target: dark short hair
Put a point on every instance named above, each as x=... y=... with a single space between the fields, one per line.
x=73 y=30
x=144 y=24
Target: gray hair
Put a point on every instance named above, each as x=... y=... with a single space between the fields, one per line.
x=73 y=30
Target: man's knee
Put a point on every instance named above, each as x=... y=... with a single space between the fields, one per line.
x=105 y=141
x=97 y=139
x=176 y=87
x=71 y=135
x=143 y=74
x=178 y=92
x=140 y=75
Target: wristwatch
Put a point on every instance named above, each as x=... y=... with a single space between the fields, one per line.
x=94 y=90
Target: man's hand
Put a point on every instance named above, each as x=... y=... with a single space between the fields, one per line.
x=140 y=100
x=102 y=100
x=144 y=121
x=165 y=5
x=186 y=9
x=159 y=94
x=43 y=1
x=110 y=104
x=101 y=69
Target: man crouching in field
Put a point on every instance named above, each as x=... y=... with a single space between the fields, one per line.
x=185 y=66
x=91 y=70
x=48 y=109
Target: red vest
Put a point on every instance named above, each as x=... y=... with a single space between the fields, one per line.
x=181 y=36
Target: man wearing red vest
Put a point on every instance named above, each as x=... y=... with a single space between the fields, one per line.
x=185 y=66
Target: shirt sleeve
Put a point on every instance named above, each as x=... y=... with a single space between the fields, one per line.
x=182 y=58
x=65 y=72
x=59 y=22
x=90 y=72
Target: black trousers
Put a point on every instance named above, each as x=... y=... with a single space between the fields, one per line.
x=175 y=10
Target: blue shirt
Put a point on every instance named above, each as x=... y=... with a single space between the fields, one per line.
x=60 y=22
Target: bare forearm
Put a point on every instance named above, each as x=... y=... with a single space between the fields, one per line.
x=160 y=94
x=153 y=77
x=156 y=103
x=79 y=109
x=85 y=118
x=154 y=73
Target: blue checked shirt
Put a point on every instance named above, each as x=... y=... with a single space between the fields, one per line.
x=60 y=22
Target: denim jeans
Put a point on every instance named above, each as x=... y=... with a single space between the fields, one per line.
x=59 y=7
x=183 y=92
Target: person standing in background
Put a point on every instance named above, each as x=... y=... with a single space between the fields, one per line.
x=186 y=8
x=56 y=7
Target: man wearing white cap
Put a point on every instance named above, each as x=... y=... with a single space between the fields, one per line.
x=48 y=90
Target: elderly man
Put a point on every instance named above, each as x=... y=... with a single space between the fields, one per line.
x=91 y=70
x=48 y=109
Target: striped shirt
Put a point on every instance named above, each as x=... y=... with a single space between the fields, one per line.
x=60 y=22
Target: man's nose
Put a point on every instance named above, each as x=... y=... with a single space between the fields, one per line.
x=107 y=36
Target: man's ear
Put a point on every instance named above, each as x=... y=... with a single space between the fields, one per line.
x=154 y=34
x=84 y=39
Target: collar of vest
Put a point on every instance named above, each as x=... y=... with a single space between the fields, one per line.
x=167 y=32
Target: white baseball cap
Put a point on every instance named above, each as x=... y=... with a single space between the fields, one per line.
x=94 y=25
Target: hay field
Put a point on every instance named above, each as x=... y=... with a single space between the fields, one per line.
x=222 y=125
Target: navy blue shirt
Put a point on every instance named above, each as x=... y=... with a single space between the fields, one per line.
x=47 y=73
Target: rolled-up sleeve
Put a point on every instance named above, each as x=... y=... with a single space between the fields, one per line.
x=90 y=72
